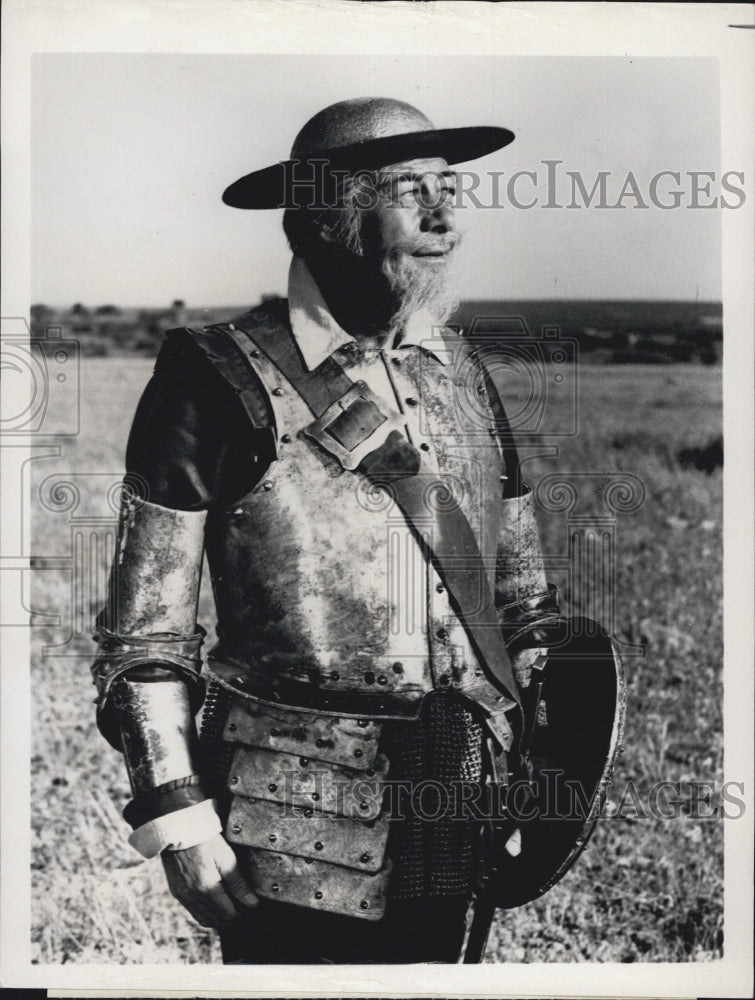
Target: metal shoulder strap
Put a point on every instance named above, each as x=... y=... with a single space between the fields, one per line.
x=350 y=424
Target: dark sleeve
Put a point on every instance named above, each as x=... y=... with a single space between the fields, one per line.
x=191 y=443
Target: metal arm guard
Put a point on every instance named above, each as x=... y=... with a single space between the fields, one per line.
x=150 y=619
x=536 y=621
x=527 y=606
x=520 y=574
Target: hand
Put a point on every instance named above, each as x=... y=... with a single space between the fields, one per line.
x=206 y=880
x=513 y=845
x=525 y=661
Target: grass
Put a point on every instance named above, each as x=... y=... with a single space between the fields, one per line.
x=646 y=889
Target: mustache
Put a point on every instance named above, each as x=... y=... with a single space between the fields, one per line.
x=429 y=244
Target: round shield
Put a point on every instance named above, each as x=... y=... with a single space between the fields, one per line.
x=575 y=708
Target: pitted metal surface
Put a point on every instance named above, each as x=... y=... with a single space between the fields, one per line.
x=310 y=883
x=154 y=584
x=155 y=753
x=521 y=573
x=338 y=840
x=307 y=783
x=118 y=655
x=331 y=618
x=352 y=742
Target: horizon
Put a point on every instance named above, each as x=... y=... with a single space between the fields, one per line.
x=470 y=298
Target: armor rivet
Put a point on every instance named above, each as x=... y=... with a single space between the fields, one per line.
x=231 y=326
x=275 y=731
x=308 y=812
x=359 y=753
x=275 y=887
x=363 y=723
x=236 y=828
x=441 y=633
x=363 y=805
x=239 y=510
x=478 y=673
x=425 y=446
x=364 y=905
x=277 y=391
x=369 y=677
x=320 y=742
x=267 y=486
x=240 y=679
x=382 y=679
x=272 y=838
x=232 y=727
x=335 y=676
x=398 y=668
x=371 y=772
x=439 y=588
x=365 y=858
x=318 y=845
x=315 y=796
x=411 y=401
x=235 y=780
x=318 y=894
x=445 y=679
x=255 y=353
x=491 y=431
x=308 y=861
x=396 y=361
x=272 y=787
x=304 y=761
x=286 y=438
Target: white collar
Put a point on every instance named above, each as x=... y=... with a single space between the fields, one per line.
x=318 y=335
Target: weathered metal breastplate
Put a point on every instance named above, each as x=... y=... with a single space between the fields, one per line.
x=310 y=569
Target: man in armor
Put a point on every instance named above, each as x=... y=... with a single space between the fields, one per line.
x=344 y=460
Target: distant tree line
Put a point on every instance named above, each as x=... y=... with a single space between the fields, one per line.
x=605 y=332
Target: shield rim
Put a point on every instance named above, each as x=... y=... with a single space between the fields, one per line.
x=600 y=793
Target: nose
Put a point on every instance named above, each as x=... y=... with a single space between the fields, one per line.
x=436 y=206
x=439 y=219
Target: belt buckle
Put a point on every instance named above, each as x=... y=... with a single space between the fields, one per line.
x=353 y=426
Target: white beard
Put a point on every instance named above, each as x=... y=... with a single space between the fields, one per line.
x=420 y=284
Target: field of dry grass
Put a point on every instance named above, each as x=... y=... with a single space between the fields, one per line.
x=646 y=890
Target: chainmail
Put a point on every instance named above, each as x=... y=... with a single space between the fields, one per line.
x=216 y=753
x=443 y=746
x=434 y=856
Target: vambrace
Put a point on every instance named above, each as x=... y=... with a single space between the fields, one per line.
x=527 y=605
x=155 y=723
x=149 y=641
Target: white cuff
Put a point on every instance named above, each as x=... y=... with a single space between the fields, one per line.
x=177 y=830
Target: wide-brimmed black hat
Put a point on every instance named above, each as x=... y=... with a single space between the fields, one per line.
x=365 y=133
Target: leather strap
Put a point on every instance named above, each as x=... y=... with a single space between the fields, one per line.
x=224 y=355
x=397 y=466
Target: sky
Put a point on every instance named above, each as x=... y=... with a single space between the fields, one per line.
x=131 y=153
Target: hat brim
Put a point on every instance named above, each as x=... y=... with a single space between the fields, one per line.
x=269 y=188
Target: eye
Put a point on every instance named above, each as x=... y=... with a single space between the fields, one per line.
x=406 y=193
